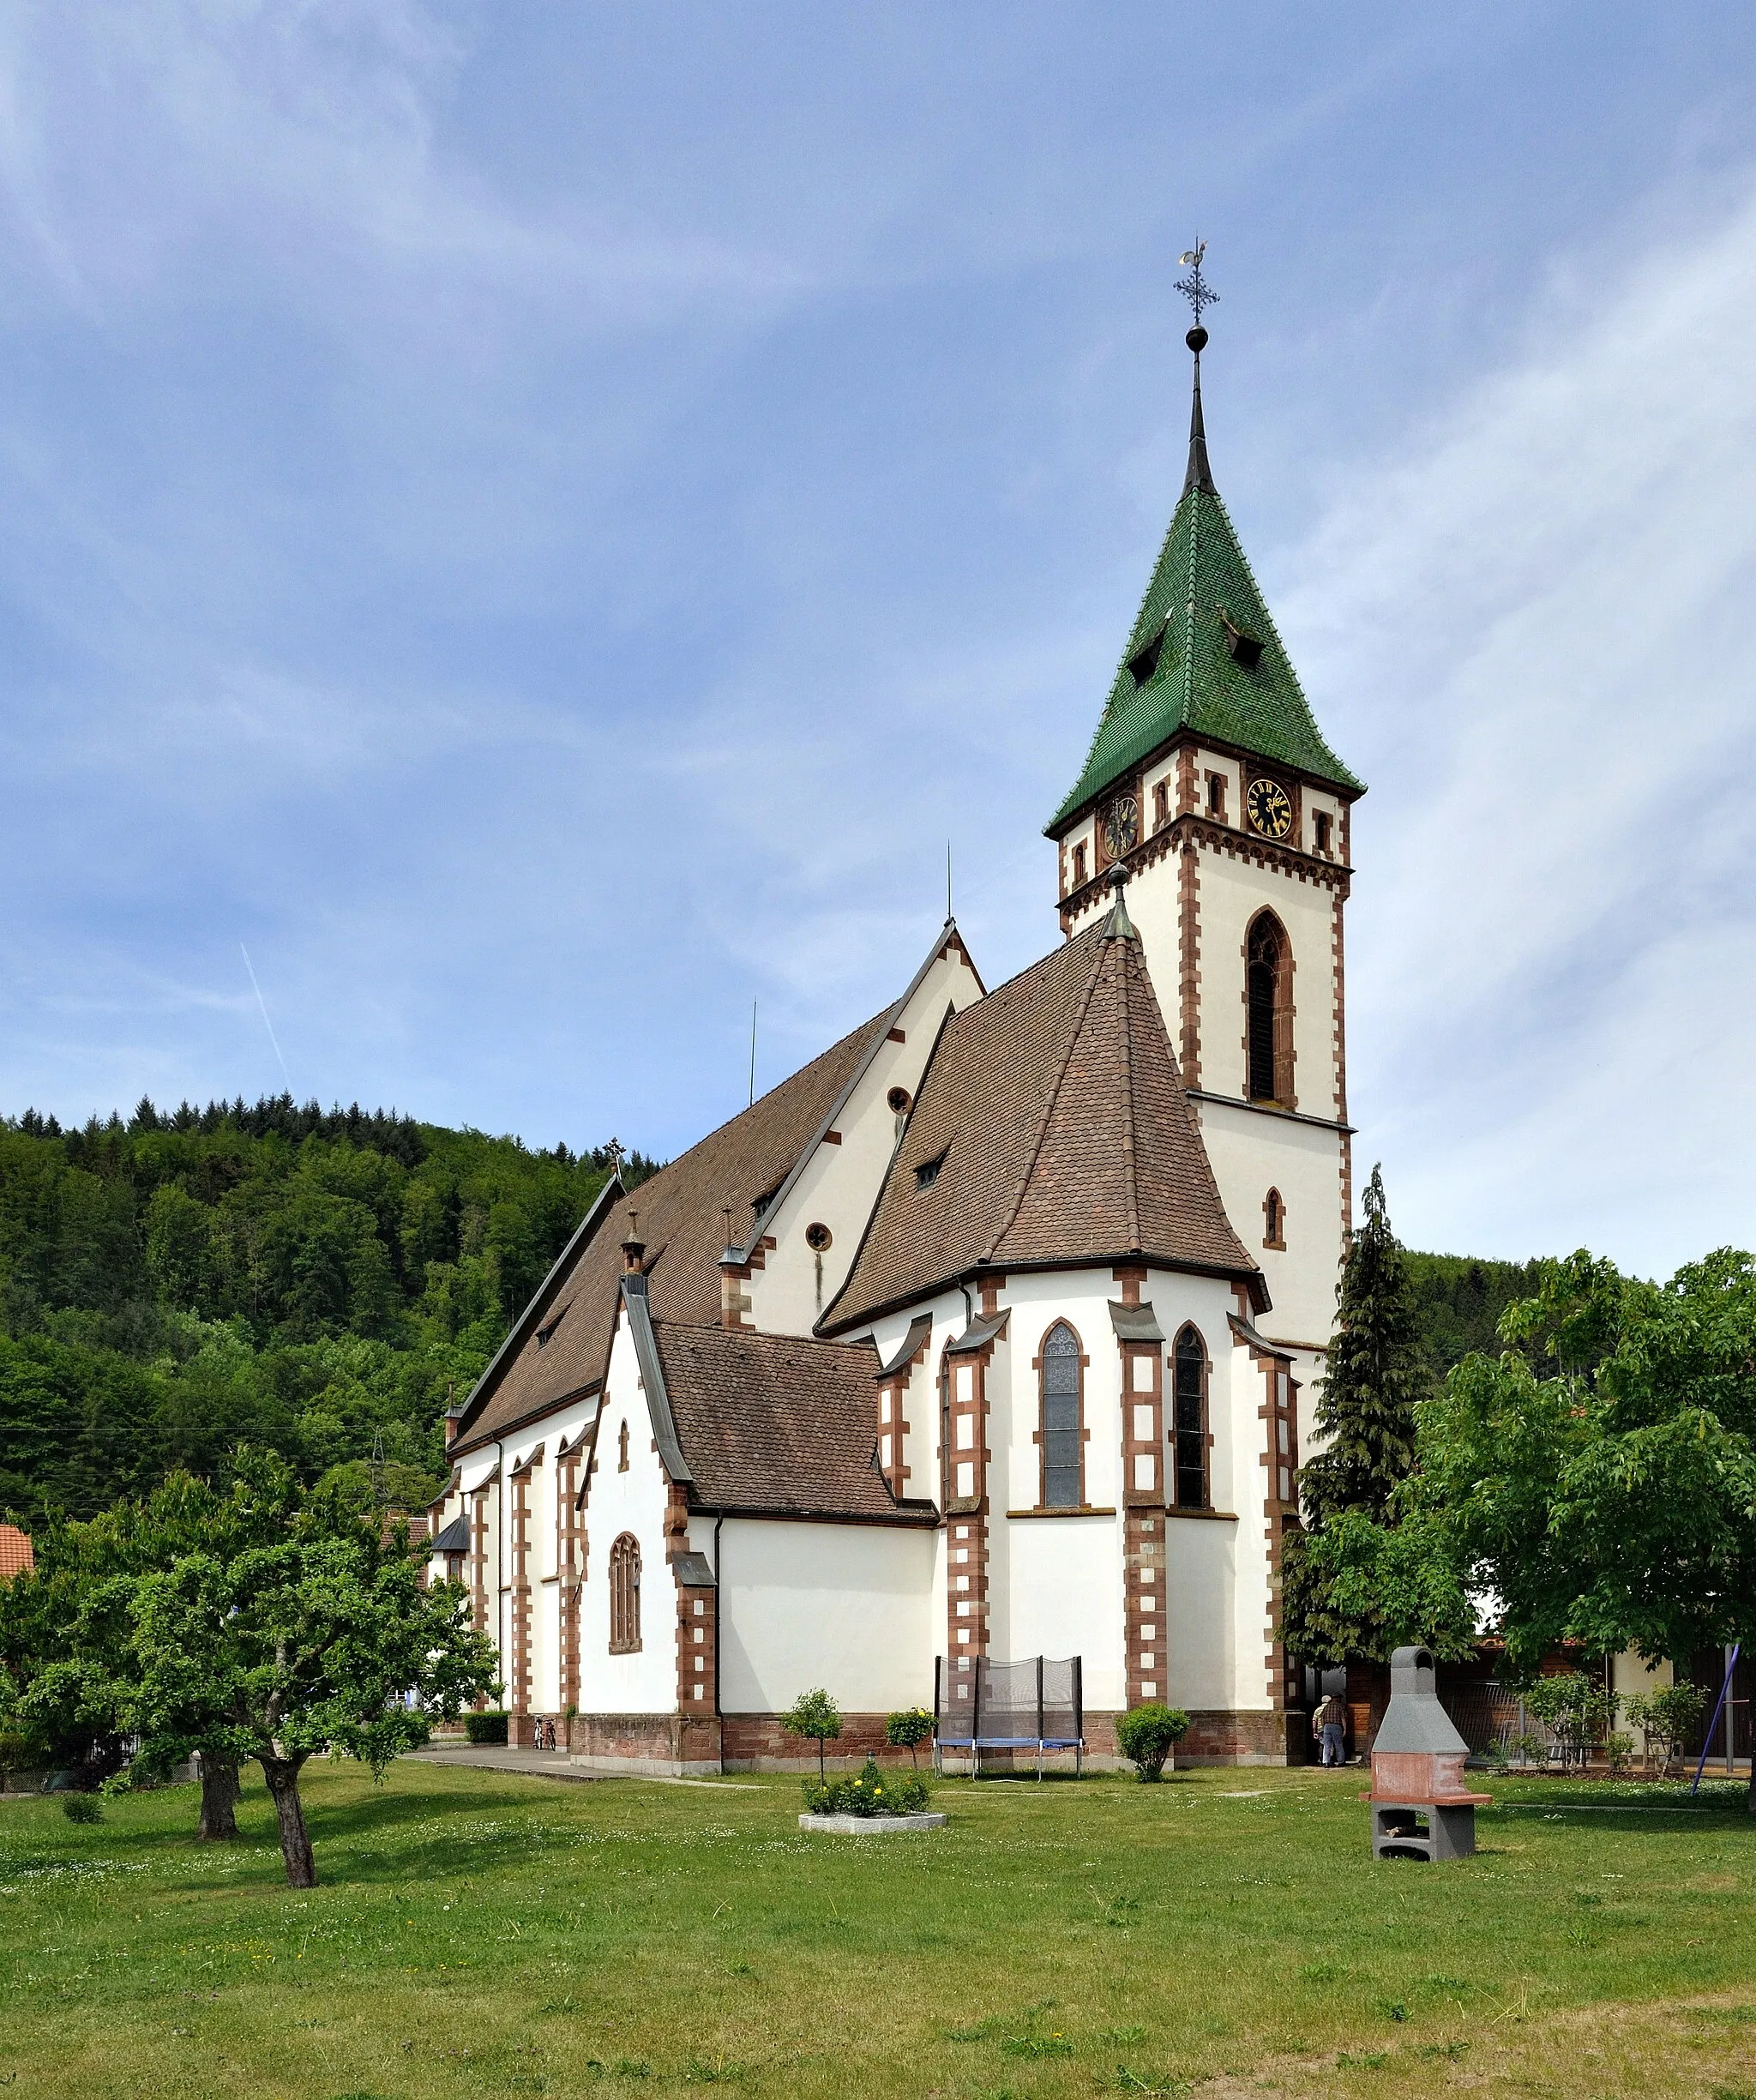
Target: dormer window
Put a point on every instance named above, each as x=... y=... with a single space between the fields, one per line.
x=1145 y=660
x=549 y=1326
x=1246 y=650
x=928 y=1172
x=759 y=1204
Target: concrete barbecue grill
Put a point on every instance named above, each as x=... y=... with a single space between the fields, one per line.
x=1422 y=1806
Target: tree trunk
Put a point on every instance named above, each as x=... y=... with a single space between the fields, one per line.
x=282 y=1775
x=219 y=1800
x=822 y=1777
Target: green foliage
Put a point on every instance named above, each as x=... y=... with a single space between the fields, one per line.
x=1599 y=1477
x=1459 y=1301
x=1576 y=1709
x=82 y=1809
x=1352 y=1588
x=263 y=1622
x=314 y=1284
x=907 y=1730
x=1147 y=1734
x=815 y=1716
x=868 y=1792
x=1376 y=1379
x=488 y=1726
x=1669 y=1719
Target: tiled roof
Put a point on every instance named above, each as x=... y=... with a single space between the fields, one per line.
x=777 y=1424
x=1056 y=1114
x=1197 y=683
x=681 y=1221
x=16 y=1556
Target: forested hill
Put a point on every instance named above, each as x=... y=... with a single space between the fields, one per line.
x=317 y=1281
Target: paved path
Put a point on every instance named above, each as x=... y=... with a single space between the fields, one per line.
x=545 y=1764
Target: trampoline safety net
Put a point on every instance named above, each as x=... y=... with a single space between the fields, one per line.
x=1036 y=1704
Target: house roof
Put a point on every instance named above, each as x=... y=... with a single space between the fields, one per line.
x=1181 y=646
x=1049 y=1128
x=561 y=1343
x=778 y=1425
x=16 y=1558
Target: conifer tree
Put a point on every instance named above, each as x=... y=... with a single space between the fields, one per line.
x=1377 y=1377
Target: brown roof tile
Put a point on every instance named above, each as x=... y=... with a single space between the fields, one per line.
x=16 y=1556
x=1057 y=1109
x=680 y=1220
x=777 y=1424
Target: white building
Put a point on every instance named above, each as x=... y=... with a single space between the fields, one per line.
x=992 y=1331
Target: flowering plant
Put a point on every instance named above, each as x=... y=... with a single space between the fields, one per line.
x=869 y=1792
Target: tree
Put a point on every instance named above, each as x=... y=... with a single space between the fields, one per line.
x=323 y=1641
x=817 y=1717
x=907 y=1730
x=1600 y=1477
x=1378 y=1376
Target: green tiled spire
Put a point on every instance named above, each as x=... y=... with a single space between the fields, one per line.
x=1190 y=664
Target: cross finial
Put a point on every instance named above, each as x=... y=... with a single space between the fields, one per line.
x=614 y=1148
x=1195 y=287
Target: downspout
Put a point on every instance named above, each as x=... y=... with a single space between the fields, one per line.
x=718 y=1622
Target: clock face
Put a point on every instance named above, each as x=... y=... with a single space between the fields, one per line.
x=1122 y=826
x=1270 y=809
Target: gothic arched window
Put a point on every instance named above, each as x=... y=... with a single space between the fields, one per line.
x=625 y=1595
x=1189 y=1432
x=1268 y=976
x=1274 y=1218
x=1063 y=1487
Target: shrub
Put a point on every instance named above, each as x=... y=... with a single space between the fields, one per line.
x=1576 y=1708
x=1669 y=1717
x=82 y=1809
x=817 y=1717
x=907 y=1730
x=1619 y=1749
x=1147 y=1736
x=869 y=1792
x=488 y=1727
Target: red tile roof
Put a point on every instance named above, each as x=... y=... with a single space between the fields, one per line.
x=778 y=1425
x=16 y=1556
x=682 y=1222
x=1056 y=1112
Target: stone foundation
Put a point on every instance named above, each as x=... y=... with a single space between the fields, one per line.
x=676 y=1746
x=663 y=1745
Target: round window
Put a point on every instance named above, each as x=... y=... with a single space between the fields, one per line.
x=817 y=1237
x=899 y=1100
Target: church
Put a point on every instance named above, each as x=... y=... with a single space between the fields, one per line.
x=994 y=1332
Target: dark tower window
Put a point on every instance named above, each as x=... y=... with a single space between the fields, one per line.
x=1269 y=1038
x=1322 y=823
x=1190 y=1422
x=1061 y=1485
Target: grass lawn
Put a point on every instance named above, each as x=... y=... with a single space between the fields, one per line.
x=478 y=1933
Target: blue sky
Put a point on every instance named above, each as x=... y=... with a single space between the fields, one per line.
x=539 y=521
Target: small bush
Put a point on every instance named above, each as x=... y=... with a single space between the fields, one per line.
x=815 y=1716
x=1148 y=1735
x=869 y=1792
x=81 y=1808
x=907 y=1730
x=1619 y=1749
x=490 y=1727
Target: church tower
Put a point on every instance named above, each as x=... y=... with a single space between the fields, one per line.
x=1210 y=783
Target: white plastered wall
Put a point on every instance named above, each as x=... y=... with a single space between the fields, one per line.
x=840 y=1182
x=846 y=1606
x=636 y=1501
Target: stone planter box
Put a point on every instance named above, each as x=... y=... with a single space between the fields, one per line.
x=870 y=1825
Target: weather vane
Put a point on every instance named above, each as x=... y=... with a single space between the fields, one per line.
x=1194 y=287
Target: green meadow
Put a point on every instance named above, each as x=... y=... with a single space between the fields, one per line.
x=481 y=1934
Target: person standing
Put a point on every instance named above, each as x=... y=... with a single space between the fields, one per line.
x=1329 y=1724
